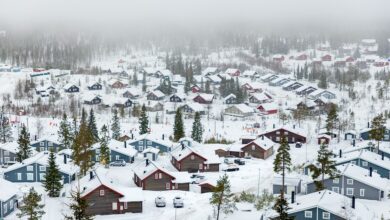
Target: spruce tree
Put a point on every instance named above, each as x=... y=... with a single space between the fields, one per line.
x=281 y=207
x=378 y=129
x=52 y=182
x=144 y=83
x=24 y=150
x=143 y=121
x=135 y=77
x=332 y=118
x=78 y=208
x=115 y=126
x=178 y=129
x=64 y=133
x=82 y=148
x=222 y=198
x=5 y=128
x=197 y=129
x=92 y=126
x=104 y=150
x=30 y=206
x=327 y=166
x=282 y=163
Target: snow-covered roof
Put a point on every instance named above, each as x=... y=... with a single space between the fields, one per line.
x=243 y=108
x=42 y=159
x=249 y=73
x=50 y=138
x=196 y=107
x=364 y=155
x=289 y=128
x=267 y=76
x=214 y=78
x=69 y=85
x=362 y=175
x=263 y=142
x=8 y=190
x=290 y=180
x=330 y=202
x=231 y=95
x=133 y=91
x=143 y=170
x=158 y=93
x=269 y=106
x=151 y=150
x=90 y=96
x=181 y=177
x=12 y=147
x=369 y=41
x=119 y=147
x=260 y=96
x=288 y=84
x=150 y=70
x=206 y=97
x=231 y=71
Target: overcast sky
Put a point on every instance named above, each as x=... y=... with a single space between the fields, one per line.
x=137 y=15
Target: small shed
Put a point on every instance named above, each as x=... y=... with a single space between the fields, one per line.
x=323 y=139
x=206 y=187
x=151 y=153
x=291 y=184
x=350 y=135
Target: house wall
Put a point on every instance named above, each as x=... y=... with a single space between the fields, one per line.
x=206 y=188
x=133 y=207
x=45 y=146
x=370 y=192
x=212 y=168
x=258 y=152
x=276 y=189
x=301 y=214
x=191 y=165
x=291 y=137
x=12 y=175
x=102 y=205
x=142 y=144
x=150 y=183
x=6 y=155
x=11 y=204
x=182 y=186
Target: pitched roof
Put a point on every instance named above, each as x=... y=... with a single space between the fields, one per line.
x=12 y=147
x=143 y=171
x=262 y=142
x=9 y=190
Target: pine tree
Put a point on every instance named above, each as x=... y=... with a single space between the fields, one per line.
x=5 y=128
x=332 y=118
x=282 y=163
x=135 y=77
x=52 y=182
x=104 y=151
x=143 y=121
x=82 y=148
x=281 y=207
x=144 y=83
x=378 y=129
x=92 y=126
x=178 y=129
x=115 y=126
x=222 y=198
x=24 y=150
x=208 y=88
x=78 y=208
x=327 y=166
x=64 y=132
x=197 y=129
x=30 y=206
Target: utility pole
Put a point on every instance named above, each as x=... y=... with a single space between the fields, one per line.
x=258 y=185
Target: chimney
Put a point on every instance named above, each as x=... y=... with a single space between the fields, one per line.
x=368 y=124
x=292 y=197
x=262 y=137
x=35 y=137
x=383 y=155
x=64 y=158
x=182 y=146
x=340 y=153
x=293 y=126
x=353 y=202
x=90 y=175
x=132 y=136
x=273 y=125
x=370 y=171
x=162 y=136
x=125 y=144
x=353 y=142
x=147 y=162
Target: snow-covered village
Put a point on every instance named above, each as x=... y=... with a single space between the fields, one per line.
x=191 y=118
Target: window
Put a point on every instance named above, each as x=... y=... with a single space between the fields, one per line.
x=5 y=208
x=286 y=133
x=125 y=205
x=192 y=157
x=30 y=177
x=308 y=214
x=353 y=162
x=114 y=206
x=336 y=189
x=200 y=166
x=30 y=168
x=364 y=163
x=167 y=186
x=160 y=175
x=6 y=153
x=149 y=143
x=42 y=176
x=326 y=215
x=156 y=176
x=101 y=192
x=11 y=204
x=42 y=168
x=349 y=191
x=278 y=132
x=277 y=138
x=117 y=157
x=50 y=144
x=41 y=149
x=19 y=176
x=140 y=142
x=42 y=144
x=336 y=180
x=253 y=147
x=362 y=192
x=350 y=181
x=292 y=139
x=97 y=151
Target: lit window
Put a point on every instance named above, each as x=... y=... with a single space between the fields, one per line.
x=101 y=192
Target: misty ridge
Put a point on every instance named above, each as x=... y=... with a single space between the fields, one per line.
x=97 y=28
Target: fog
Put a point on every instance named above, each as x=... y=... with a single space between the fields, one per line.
x=135 y=16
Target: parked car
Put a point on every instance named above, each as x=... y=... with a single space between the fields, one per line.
x=160 y=201
x=118 y=163
x=196 y=178
x=230 y=167
x=178 y=202
x=229 y=160
x=239 y=161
